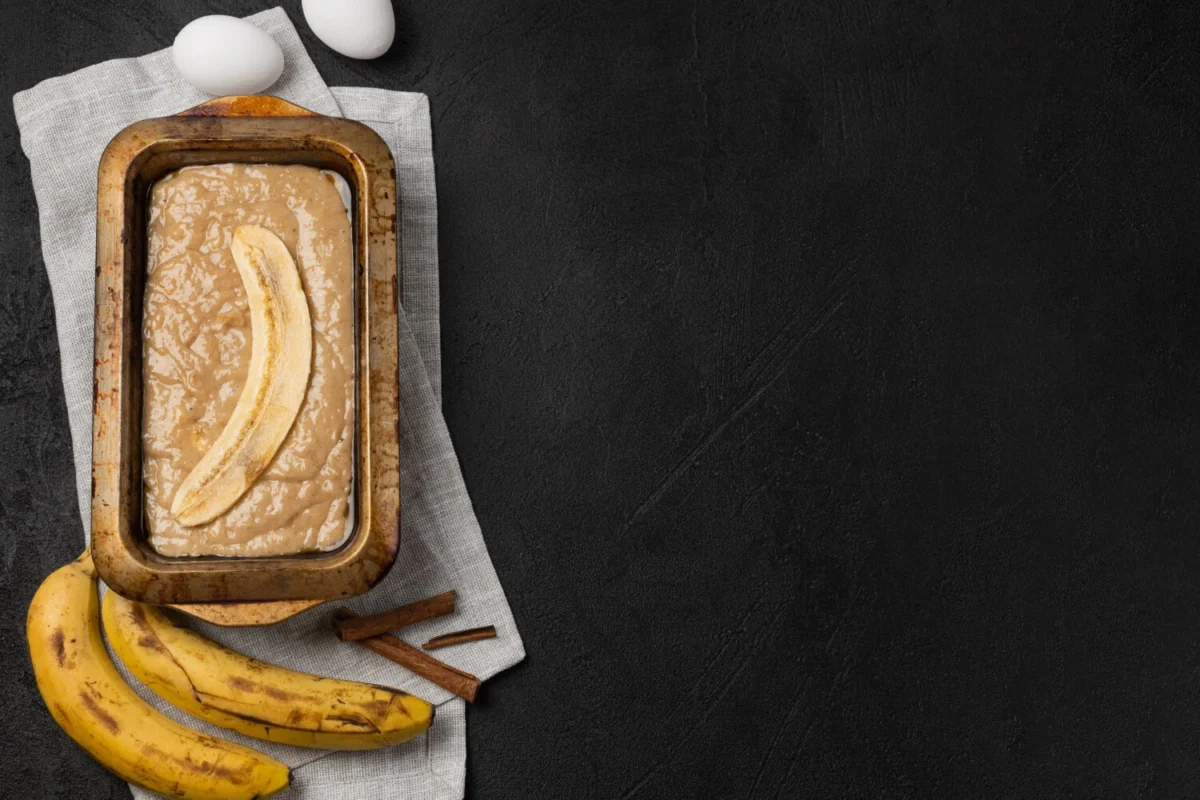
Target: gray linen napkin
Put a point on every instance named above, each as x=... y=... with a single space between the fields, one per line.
x=65 y=123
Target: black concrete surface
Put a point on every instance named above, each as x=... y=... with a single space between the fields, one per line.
x=824 y=374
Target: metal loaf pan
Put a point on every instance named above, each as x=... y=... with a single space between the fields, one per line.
x=242 y=591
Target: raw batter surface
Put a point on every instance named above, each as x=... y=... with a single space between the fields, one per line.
x=196 y=334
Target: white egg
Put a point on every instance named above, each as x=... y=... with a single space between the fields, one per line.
x=355 y=28
x=225 y=55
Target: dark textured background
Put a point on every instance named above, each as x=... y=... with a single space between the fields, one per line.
x=824 y=374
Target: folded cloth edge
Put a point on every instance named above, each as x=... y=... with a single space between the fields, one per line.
x=32 y=104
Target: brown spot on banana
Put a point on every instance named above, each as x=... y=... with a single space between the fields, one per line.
x=138 y=615
x=60 y=649
x=105 y=718
x=188 y=764
x=280 y=695
x=241 y=684
x=360 y=723
x=151 y=643
x=376 y=708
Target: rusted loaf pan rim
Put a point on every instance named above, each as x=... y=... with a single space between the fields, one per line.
x=236 y=591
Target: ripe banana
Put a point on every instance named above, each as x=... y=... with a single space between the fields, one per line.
x=280 y=360
x=255 y=698
x=97 y=709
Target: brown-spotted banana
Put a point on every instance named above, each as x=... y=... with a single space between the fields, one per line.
x=93 y=704
x=252 y=697
x=280 y=360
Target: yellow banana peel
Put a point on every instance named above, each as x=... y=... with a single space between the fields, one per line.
x=93 y=704
x=255 y=698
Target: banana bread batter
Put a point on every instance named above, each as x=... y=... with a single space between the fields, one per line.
x=196 y=338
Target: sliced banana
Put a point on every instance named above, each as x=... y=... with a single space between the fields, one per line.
x=280 y=360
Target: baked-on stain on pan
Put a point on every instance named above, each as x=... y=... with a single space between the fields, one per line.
x=242 y=591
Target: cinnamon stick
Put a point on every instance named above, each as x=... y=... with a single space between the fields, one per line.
x=461 y=637
x=350 y=630
x=462 y=684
